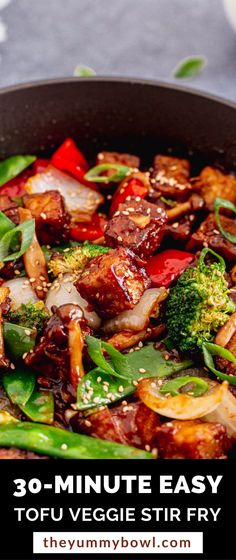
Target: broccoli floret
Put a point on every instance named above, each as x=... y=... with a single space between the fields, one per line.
x=31 y=315
x=198 y=304
x=75 y=258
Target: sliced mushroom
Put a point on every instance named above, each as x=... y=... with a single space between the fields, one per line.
x=76 y=344
x=226 y=332
x=34 y=261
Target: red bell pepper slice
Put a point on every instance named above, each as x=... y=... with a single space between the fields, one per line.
x=89 y=231
x=134 y=188
x=164 y=268
x=40 y=165
x=15 y=187
x=69 y=158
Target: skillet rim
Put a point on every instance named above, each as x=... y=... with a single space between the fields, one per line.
x=34 y=84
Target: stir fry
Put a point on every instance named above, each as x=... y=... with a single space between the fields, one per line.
x=117 y=308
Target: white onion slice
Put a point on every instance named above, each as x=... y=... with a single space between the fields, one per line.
x=63 y=291
x=20 y=292
x=225 y=414
x=78 y=197
x=136 y=319
x=182 y=406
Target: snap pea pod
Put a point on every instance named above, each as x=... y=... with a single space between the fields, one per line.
x=99 y=388
x=63 y=444
x=18 y=339
x=40 y=407
x=19 y=385
x=13 y=166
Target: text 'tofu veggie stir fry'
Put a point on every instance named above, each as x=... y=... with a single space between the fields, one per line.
x=117 y=308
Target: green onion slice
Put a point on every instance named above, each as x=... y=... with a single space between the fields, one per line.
x=209 y=350
x=223 y=203
x=26 y=229
x=118 y=366
x=204 y=253
x=5 y=224
x=172 y=387
x=95 y=174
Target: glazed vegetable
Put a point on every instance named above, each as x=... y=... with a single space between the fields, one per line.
x=20 y=292
x=226 y=332
x=225 y=414
x=18 y=340
x=137 y=185
x=137 y=318
x=118 y=366
x=96 y=173
x=31 y=315
x=11 y=247
x=75 y=258
x=199 y=304
x=19 y=385
x=5 y=224
x=13 y=166
x=63 y=444
x=195 y=386
x=63 y=291
x=210 y=350
x=222 y=203
x=90 y=231
x=76 y=344
x=70 y=159
x=40 y=407
x=98 y=388
x=167 y=266
x=182 y=406
x=78 y=198
x=34 y=260
x=20 y=388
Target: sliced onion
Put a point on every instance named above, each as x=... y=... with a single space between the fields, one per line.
x=225 y=414
x=182 y=406
x=78 y=197
x=20 y=292
x=136 y=319
x=63 y=291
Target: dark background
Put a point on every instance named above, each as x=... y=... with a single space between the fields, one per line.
x=140 y=38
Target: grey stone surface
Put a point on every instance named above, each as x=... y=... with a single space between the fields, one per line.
x=140 y=38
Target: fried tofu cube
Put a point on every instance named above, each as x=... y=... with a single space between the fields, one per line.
x=170 y=177
x=192 y=439
x=137 y=225
x=113 y=282
x=130 y=424
x=51 y=217
x=212 y=184
x=209 y=234
x=117 y=157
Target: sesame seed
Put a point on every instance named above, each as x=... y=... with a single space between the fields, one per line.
x=142 y=370
x=135 y=383
x=121 y=389
x=17 y=272
x=27 y=332
x=64 y=446
x=88 y=423
x=24 y=355
x=39 y=288
x=147 y=448
x=99 y=379
x=32 y=280
x=96 y=400
x=119 y=238
x=43 y=215
x=154 y=452
x=12 y=366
